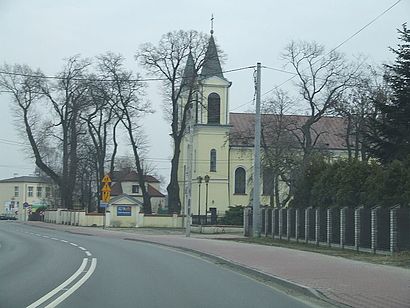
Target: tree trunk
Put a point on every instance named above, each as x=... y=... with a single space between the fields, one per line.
x=174 y=201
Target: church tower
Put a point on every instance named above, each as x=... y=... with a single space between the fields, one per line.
x=210 y=144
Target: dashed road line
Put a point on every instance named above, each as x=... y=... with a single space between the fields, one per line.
x=88 y=253
x=74 y=244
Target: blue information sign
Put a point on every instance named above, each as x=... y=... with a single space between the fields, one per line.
x=123 y=210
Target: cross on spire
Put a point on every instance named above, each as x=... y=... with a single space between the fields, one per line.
x=212 y=24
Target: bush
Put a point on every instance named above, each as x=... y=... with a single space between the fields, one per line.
x=233 y=216
x=352 y=183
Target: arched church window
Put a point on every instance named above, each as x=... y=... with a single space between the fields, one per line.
x=214 y=109
x=240 y=180
x=212 y=160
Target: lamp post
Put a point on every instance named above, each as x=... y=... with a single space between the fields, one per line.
x=206 y=178
x=199 y=178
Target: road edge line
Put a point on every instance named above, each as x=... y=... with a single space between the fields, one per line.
x=61 y=286
x=77 y=285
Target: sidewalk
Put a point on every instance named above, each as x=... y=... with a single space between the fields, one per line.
x=352 y=283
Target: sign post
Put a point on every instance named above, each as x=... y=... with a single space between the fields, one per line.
x=106 y=194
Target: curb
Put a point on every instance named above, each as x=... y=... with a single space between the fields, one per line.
x=276 y=280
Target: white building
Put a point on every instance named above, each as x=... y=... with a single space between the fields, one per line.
x=18 y=192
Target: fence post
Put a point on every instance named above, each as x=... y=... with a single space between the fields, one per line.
x=280 y=223
x=297 y=217
x=307 y=224
x=263 y=225
x=246 y=221
x=342 y=227
x=374 y=227
x=329 y=232
x=273 y=222
x=357 y=225
x=266 y=221
x=317 y=226
x=288 y=223
x=393 y=229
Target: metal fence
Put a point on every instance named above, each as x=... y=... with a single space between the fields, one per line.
x=377 y=229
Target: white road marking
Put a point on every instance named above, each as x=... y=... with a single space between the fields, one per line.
x=61 y=286
x=64 y=241
x=78 y=284
x=88 y=253
x=45 y=236
x=53 y=238
x=82 y=248
x=74 y=244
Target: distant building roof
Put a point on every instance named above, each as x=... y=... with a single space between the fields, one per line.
x=128 y=175
x=331 y=129
x=125 y=196
x=27 y=179
x=154 y=192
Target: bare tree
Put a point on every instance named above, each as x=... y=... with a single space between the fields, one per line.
x=102 y=124
x=177 y=59
x=358 y=108
x=279 y=148
x=125 y=96
x=323 y=77
x=64 y=96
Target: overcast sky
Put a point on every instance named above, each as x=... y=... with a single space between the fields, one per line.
x=42 y=33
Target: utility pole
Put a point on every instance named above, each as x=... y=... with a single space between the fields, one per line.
x=188 y=188
x=256 y=218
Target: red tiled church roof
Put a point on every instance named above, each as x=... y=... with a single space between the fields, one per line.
x=331 y=129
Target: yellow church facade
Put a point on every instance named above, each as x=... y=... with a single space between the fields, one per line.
x=221 y=164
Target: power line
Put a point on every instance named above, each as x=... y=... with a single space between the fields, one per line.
x=332 y=50
x=107 y=80
x=10 y=142
x=342 y=43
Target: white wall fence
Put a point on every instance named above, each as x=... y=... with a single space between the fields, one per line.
x=81 y=218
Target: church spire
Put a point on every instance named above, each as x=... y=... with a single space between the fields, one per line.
x=189 y=71
x=211 y=66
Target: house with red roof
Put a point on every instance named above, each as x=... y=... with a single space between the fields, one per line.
x=125 y=183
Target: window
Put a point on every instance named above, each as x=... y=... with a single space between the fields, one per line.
x=39 y=192
x=212 y=160
x=30 y=191
x=214 y=109
x=48 y=192
x=16 y=191
x=135 y=189
x=268 y=181
x=240 y=180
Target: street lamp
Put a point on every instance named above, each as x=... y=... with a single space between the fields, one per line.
x=199 y=178
x=206 y=178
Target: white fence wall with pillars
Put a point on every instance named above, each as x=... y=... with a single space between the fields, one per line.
x=81 y=218
x=377 y=230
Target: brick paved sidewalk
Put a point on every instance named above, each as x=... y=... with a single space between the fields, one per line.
x=352 y=283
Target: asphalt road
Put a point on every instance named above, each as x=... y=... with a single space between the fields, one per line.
x=94 y=271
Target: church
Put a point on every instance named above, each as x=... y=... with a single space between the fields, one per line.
x=220 y=162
